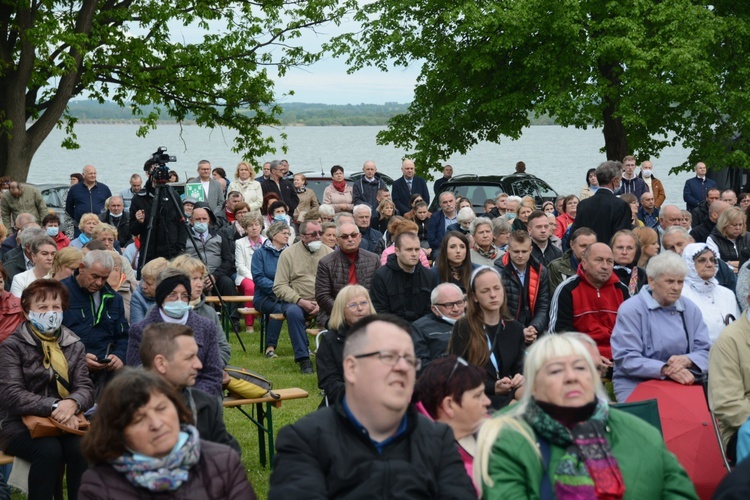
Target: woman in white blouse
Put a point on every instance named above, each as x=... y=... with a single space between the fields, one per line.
x=243 y=256
x=43 y=250
x=246 y=184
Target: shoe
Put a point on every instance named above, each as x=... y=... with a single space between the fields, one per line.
x=306 y=367
x=311 y=353
x=271 y=353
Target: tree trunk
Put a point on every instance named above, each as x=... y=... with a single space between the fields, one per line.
x=615 y=136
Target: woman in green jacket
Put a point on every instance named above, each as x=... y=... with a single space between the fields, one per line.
x=562 y=440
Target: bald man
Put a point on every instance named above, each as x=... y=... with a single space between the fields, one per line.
x=86 y=197
x=406 y=185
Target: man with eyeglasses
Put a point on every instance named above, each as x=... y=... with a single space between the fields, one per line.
x=349 y=265
x=372 y=443
x=432 y=332
x=403 y=286
x=588 y=302
x=294 y=285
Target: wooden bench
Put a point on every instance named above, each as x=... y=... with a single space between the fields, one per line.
x=264 y=421
x=227 y=325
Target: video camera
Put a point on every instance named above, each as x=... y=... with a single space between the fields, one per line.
x=158 y=162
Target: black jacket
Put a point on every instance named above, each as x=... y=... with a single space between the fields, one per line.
x=728 y=251
x=13 y=263
x=702 y=231
x=123 y=227
x=209 y=417
x=603 y=213
x=430 y=335
x=407 y=295
x=509 y=348
x=168 y=234
x=330 y=363
x=550 y=253
x=285 y=189
x=324 y=455
x=372 y=241
x=699 y=213
x=519 y=307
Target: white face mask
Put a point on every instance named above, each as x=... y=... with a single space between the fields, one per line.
x=314 y=246
x=46 y=322
x=448 y=320
x=646 y=173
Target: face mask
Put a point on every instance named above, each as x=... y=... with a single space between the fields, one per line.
x=52 y=231
x=176 y=309
x=646 y=173
x=448 y=320
x=314 y=246
x=279 y=217
x=200 y=227
x=46 y=322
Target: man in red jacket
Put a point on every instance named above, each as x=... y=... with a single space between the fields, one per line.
x=588 y=301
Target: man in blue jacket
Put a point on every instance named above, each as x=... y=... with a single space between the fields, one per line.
x=97 y=315
x=440 y=220
x=696 y=188
x=407 y=185
x=86 y=197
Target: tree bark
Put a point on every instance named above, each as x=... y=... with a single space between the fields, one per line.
x=615 y=135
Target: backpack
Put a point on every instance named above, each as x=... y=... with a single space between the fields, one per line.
x=246 y=384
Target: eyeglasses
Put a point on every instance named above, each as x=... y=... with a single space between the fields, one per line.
x=351 y=236
x=391 y=358
x=314 y=234
x=703 y=260
x=451 y=305
x=459 y=361
x=356 y=305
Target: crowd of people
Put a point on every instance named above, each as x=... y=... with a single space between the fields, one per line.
x=542 y=312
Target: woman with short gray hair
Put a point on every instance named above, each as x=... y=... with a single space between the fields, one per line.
x=658 y=334
x=483 y=251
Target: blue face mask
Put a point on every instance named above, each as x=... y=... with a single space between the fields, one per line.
x=280 y=217
x=52 y=231
x=200 y=227
x=176 y=309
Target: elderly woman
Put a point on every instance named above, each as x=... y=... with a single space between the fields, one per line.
x=107 y=234
x=243 y=258
x=454 y=262
x=563 y=440
x=731 y=238
x=329 y=234
x=244 y=182
x=501 y=233
x=51 y=224
x=339 y=193
x=483 y=252
x=592 y=184
x=464 y=218
x=173 y=295
x=568 y=215
x=307 y=198
x=451 y=391
x=65 y=263
x=627 y=252
x=327 y=213
x=658 y=334
x=143 y=296
x=11 y=313
x=43 y=250
x=143 y=444
x=488 y=338
x=86 y=225
x=718 y=304
x=352 y=304
x=44 y=374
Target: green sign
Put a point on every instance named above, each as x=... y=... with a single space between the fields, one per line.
x=195 y=191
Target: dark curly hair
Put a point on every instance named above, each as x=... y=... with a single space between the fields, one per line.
x=433 y=385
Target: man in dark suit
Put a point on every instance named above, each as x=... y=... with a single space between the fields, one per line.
x=407 y=185
x=284 y=188
x=696 y=187
x=604 y=213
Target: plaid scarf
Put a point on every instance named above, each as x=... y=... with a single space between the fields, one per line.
x=587 y=469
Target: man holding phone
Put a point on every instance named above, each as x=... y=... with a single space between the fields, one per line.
x=97 y=315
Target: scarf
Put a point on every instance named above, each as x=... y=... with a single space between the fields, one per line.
x=83 y=239
x=587 y=470
x=339 y=186
x=633 y=281
x=692 y=279
x=301 y=190
x=54 y=358
x=162 y=474
x=487 y=254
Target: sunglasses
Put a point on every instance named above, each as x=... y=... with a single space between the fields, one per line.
x=459 y=361
x=349 y=236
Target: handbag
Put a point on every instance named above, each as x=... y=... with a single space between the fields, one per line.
x=246 y=384
x=40 y=427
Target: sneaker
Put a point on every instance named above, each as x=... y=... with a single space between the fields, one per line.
x=306 y=367
x=271 y=353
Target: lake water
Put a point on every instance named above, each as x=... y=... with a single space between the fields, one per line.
x=558 y=155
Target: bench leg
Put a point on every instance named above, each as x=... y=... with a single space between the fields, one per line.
x=261 y=430
x=269 y=426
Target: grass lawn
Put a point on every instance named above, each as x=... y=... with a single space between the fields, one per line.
x=283 y=372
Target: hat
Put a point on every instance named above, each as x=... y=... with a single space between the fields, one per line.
x=189 y=199
x=168 y=281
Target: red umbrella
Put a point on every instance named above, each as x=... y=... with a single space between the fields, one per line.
x=688 y=430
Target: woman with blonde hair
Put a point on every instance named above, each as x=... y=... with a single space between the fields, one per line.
x=563 y=440
x=120 y=283
x=352 y=304
x=397 y=226
x=307 y=198
x=523 y=210
x=107 y=234
x=731 y=238
x=144 y=295
x=386 y=209
x=649 y=242
x=244 y=182
x=86 y=225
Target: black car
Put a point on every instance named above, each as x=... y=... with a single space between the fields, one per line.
x=479 y=188
x=319 y=181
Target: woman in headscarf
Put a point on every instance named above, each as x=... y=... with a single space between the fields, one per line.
x=718 y=304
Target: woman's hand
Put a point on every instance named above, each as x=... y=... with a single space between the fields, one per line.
x=66 y=409
x=675 y=364
x=683 y=376
x=735 y=265
x=503 y=386
x=529 y=334
x=517 y=381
